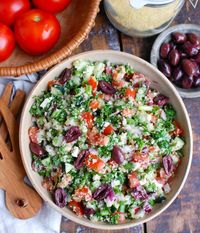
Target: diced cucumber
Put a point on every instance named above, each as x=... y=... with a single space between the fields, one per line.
x=57 y=90
x=98 y=69
x=46 y=162
x=68 y=167
x=177 y=144
x=145 y=108
x=80 y=65
x=46 y=102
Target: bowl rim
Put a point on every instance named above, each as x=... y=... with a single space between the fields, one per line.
x=57 y=56
x=76 y=218
x=185 y=93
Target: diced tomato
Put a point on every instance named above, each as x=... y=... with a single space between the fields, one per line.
x=76 y=207
x=94 y=162
x=162 y=177
x=178 y=130
x=83 y=193
x=112 y=163
x=133 y=180
x=130 y=93
x=152 y=148
x=121 y=217
x=93 y=83
x=52 y=83
x=138 y=156
x=33 y=132
x=94 y=104
x=128 y=112
x=108 y=130
x=118 y=83
x=89 y=118
x=95 y=138
x=154 y=118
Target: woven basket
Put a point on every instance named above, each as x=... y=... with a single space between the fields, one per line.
x=76 y=22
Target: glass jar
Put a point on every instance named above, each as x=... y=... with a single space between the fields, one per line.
x=146 y=21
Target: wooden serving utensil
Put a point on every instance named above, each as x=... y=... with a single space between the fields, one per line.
x=21 y=200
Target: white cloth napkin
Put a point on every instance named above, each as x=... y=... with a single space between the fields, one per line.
x=47 y=220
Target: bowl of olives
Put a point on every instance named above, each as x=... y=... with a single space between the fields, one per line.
x=176 y=53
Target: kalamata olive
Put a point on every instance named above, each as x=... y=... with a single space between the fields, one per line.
x=139 y=193
x=193 y=38
x=60 y=197
x=147 y=208
x=187 y=81
x=164 y=50
x=36 y=149
x=178 y=38
x=117 y=155
x=161 y=100
x=197 y=58
x=106 y=87
x=167 y=164
x=190 y=49
x=165 y=68
x=174 y=57
x=172 y=45
x=79 y=162
x=188 y=67
x=177 y=74
x=65 y=76
x=196 y=81
x=73 y=133
x=88 y=211
x=102 y=192
x=197 y=70
x=182 y=54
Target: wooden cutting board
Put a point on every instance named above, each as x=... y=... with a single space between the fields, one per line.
x=21 y=200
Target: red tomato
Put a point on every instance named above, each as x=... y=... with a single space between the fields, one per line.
x=51 y=6
x=36 y=31
x=94 y=162
x=11 y=9
x=130 y=93
x=7 y=42
x=83 y=193
x=121 y=217
x=52 y=83
x=108 y=130
x=76 y=207
x=32 y=132
x=178 y=130
x=96 y=138
x=94 y=104
x=88 y=117
x=93 y=83
x=138 y=156
x=133 y=180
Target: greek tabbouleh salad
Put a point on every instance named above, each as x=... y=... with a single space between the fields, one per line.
x=106 y=144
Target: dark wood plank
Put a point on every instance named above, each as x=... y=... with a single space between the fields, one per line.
x=71 y=227
x=184 y=214
x=103 y=36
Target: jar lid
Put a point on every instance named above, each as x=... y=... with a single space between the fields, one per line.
x=137 y=4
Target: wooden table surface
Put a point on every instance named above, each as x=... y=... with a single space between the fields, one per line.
x=183 y=216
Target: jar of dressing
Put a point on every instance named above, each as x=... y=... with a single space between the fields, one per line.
x=145 y=21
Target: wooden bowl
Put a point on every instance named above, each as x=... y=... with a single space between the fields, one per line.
x=160 y=82
x=76 y=22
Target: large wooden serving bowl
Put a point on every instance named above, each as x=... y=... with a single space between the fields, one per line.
x=158 y=81
x=76 y=22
